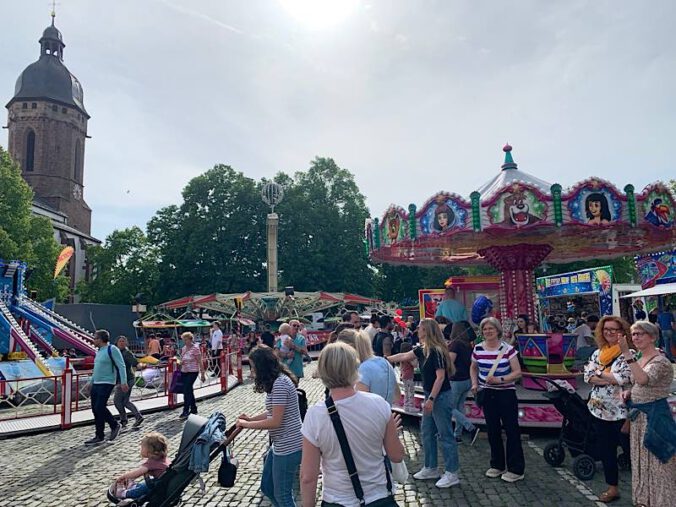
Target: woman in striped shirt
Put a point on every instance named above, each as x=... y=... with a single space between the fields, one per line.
x=282 y=419
x=500 y=405
x=191 y=365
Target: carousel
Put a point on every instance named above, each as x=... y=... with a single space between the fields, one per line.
x=514 y=222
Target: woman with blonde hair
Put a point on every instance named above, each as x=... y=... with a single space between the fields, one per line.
x=653 y=464
x=607 y=371
x=436 y=368
x=368 y=426
x=494 y=369
x=376 y=374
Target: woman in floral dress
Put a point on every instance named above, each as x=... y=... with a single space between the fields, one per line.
x=607 y=371
x=653 y=480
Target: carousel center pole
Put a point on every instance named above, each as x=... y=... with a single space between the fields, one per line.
x=516 y=264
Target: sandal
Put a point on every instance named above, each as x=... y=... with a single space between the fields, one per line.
x=607 y=497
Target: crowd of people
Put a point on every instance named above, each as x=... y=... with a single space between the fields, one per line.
x=628 y=373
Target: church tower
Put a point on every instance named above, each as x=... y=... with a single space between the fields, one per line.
x=47 y=131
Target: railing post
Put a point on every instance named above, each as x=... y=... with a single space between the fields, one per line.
x=67 y=397
x=240 y=376
x=169 y=375
x=225 y=369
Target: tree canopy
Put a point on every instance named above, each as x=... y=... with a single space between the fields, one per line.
x=27 y=237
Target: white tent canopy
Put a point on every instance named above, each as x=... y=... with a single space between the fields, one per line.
x=657 y=290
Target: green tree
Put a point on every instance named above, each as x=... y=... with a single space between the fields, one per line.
x=215 y=240
x=125 y=265
x=321 y=231
x=24 y=236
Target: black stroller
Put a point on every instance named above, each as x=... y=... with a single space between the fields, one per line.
x=578 y=435
x=167 y=490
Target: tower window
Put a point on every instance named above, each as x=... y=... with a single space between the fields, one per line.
x=25 y=105
x=34 y=105
x=30 y=150
x=64 y=110
x=54 y=108
x=76 y=164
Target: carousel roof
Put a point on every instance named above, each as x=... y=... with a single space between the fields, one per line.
x=592 y=219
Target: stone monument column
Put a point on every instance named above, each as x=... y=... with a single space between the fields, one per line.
x=272 y=195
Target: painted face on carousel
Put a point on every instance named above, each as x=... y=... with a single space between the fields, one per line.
x=443 y=218
x=597 y=209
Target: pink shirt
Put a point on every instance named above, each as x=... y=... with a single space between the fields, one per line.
x=156 y=467
x=190 y=359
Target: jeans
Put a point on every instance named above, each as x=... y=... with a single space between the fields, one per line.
x=459 y=390
x=216 y=361
x=608 y=437
x=584 y=353
x=189 y=405
x=122 y=402
x=438 y=424
x=667 y=340
x=279 y=476
x=138 y=490
x=501 y=410
x=99 y=395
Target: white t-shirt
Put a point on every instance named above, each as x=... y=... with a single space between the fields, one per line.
x=582 y=331
x=217 y=340
x=364 y=417
x=371 y=331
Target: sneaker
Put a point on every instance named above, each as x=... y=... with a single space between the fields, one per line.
x=494 y=472
x=447 y=480
x=126 y=501
x=474 y=434
x=182 y=417
x=115 y=432
x=94 y=441
x=139 y=421
x=427 y=473
x=511 y=477
x=458 y=440
x=123 y=424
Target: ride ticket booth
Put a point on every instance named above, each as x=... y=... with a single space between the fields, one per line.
x=568 y=295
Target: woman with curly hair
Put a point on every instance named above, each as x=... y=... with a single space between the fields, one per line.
x=282 y=419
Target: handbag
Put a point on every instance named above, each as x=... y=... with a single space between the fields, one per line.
x=227 y=471
x=480 y=397
x=176 y=385
x=389 y=500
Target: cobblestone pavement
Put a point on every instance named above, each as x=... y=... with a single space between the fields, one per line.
x=57 y=469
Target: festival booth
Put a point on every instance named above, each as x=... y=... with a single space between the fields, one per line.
x=514 y=222
x=468 y=289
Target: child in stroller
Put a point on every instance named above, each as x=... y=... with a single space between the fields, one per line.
x=208 y=437
x=154 y=448
x=578 y=433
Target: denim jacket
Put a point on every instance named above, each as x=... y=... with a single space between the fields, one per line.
x=660 y=435
x=213 y=433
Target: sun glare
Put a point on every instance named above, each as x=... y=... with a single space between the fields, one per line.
x=318 y=14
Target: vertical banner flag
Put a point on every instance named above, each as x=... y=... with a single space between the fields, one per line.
x=63 y=259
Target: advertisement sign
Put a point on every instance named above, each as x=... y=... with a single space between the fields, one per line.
x=587 y=281
x=657 y=268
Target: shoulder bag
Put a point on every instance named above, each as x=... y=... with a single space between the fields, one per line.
x=389 y=500
x=480 y=397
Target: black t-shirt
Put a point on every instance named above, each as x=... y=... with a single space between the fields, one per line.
x=463 y=359
x=429 y=367
x=268 y=339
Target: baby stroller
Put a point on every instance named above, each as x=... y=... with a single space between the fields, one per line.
x=167 y=490
x=578 y=434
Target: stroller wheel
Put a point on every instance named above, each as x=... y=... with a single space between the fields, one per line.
x=584 y=467
x=554 y=454
x=624 y=462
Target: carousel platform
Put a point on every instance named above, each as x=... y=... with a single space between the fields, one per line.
x=535 y=409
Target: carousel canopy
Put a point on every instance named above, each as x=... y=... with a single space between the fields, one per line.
x=592 y=219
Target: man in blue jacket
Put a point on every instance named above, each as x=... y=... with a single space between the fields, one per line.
x=109 y=370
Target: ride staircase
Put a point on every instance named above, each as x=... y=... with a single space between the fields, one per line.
x=37 y=338
x=59 y=329
x=63 y=320
x=24 y=342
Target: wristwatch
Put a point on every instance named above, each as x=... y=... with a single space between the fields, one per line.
x=431 y=398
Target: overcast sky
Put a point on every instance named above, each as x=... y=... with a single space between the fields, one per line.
x=413 y=97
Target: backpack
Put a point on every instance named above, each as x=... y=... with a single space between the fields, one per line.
x=378 y=343
x=302 y=403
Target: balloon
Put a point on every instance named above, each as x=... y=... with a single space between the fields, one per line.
x=481 y=308
x=399 y=312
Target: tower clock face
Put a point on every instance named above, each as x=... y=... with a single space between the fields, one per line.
x=77 y=192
